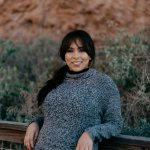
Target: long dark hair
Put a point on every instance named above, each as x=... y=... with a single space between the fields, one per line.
x=60 y=74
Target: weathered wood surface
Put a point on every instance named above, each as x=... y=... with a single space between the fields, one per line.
x=126 y=142
x=15 y=131
x=12 y=131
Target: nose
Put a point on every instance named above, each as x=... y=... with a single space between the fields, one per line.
x=76 y=54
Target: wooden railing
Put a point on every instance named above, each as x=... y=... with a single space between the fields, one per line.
x=14 y=132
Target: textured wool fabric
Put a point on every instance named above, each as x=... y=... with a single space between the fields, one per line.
x=87 y=101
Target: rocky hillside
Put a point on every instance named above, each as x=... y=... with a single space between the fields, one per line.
x=29 y=18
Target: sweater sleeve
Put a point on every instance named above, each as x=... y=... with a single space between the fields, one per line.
x=112 y=119
x=39 y=120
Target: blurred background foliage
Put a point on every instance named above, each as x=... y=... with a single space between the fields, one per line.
x=24 y=68
x=127 y=60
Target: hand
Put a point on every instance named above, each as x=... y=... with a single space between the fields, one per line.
x=31 y=135
x=85 y=142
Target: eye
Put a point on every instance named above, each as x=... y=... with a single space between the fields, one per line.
x=69 y=50
x=81 y=49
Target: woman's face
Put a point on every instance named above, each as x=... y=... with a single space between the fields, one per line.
x=76 y=57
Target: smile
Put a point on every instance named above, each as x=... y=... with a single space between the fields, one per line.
x=77 y=62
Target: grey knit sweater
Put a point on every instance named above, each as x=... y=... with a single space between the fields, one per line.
x=88 y=101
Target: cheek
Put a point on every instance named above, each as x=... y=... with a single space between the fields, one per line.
x=86 y=58
x=87 y=62
x=67 y=57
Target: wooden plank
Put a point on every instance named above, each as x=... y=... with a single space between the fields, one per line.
x=132 y=140
x=14 y=136
x=12 y=131
x=15 y=131
x=120 y=147
x=122 y=142
x=13 y=125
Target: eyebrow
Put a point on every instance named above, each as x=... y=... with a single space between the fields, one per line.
x=78 y=47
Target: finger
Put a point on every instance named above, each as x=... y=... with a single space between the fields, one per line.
x=28 y=146
x=35 y=137
x=31 y=142
x=77 y=148
x=90 y=147
x=26 y=141
x=26 y=138
x=86 y=148
x=81 y=148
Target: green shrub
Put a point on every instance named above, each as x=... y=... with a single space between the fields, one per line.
x=10 y=86
x=127 y=60
x=142 y=129
x=23 y=69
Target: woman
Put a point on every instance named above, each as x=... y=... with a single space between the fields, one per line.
x=81 y=106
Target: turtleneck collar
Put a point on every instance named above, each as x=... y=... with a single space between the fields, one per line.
x=73 y=72
x=81 y=74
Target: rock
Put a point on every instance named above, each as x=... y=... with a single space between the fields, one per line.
x=27 y=19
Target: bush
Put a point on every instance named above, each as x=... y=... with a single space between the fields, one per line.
x=142 y=129
x=127 y=60
x=23 y=68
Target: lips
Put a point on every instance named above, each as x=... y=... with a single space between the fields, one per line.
x=76 y=62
